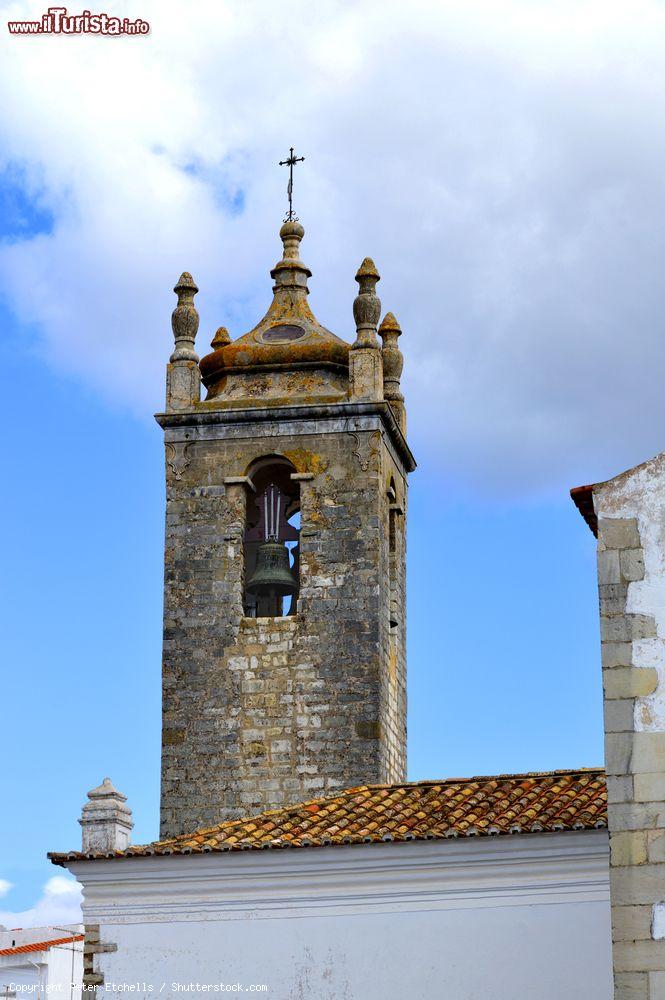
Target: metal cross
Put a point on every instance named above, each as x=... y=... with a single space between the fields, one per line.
x=289 y=163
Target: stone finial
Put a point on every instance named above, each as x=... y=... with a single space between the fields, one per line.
x=393 y=359
x=221 y=339
x=290 y=273
x=185 y=320
x=393 y=363
x=106 y=820
x=366 y=305
x=291 y=233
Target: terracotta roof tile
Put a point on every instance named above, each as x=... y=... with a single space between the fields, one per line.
x=422 y=810
x=582 y=497
x=23 y=949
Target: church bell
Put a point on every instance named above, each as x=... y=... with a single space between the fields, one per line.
x=273 y=576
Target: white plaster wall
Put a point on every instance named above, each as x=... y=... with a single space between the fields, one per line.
x=61 y=960
x=482 y=919
x=16 y=970
x=541 y=952
x=640 y=493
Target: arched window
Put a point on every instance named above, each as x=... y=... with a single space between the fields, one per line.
x=392 y=517
x=271 y=543
x=395 y=512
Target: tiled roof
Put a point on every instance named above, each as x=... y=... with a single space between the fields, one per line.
x=422 y=810
x=23 y=949
x=582 y=497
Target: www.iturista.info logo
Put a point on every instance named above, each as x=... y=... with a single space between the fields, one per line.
x=56 y=21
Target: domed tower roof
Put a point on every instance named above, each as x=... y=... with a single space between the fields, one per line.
x=288 y=356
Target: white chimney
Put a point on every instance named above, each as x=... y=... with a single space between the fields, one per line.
x=106 y=820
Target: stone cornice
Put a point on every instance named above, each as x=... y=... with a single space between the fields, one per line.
x=452 y=874
x=208 y=416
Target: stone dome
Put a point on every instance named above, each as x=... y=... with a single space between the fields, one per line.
x=288 y=355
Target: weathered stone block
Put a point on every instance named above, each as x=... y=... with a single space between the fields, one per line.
x=618 y=752
x=631 y=923
x=615 y=628
x=616 y=654
x=637 y=884
x=619 y=788
x=619 y=532
x=626 y=628
x=628 y=848
x=650 y=787
x=648 y=752
x=637 y=816
x=613 y=598
x=619 y=716
x=632 y=564
x=629 y=682
x=639 y=956
x=366 y=373
x=656 y=847
x=631 y=986
x=609 y=569
x=183 y=385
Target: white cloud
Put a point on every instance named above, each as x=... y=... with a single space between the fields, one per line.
x=60 y=903
x=5 y=886
x=503 y=163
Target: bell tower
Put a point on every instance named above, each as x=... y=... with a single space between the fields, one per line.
x=284 y=673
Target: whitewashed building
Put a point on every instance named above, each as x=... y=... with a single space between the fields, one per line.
x=627 y=514
x=41 y=962
x=491 y=888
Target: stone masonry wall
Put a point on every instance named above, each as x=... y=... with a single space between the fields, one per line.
x=394 y=641
x=631 y=577
x=261 y=712
x=93 y=947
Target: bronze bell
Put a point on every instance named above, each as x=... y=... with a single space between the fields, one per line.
x=273 y=576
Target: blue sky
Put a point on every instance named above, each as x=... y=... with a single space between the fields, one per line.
x=504 y=164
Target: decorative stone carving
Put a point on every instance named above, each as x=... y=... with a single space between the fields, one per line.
x=366 y=305
x=183 y=378
x=105 y=820
x=177 y=458
x=393 y=360
x=221 y=339
x=365 y=367
x=393 y=363
x=185 y=320
x=366 y=448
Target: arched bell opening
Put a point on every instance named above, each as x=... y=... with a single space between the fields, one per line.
x=272 y=540
x=393 y=547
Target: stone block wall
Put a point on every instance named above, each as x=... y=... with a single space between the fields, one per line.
x=93 y=947
x=259 y=712
x=631 y=580
x=394 y=556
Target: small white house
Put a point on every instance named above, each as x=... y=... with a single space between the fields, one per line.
x=41 y=962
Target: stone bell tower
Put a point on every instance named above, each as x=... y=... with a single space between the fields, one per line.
x=284 y=672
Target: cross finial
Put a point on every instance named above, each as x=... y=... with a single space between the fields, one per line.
x=289 y=162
